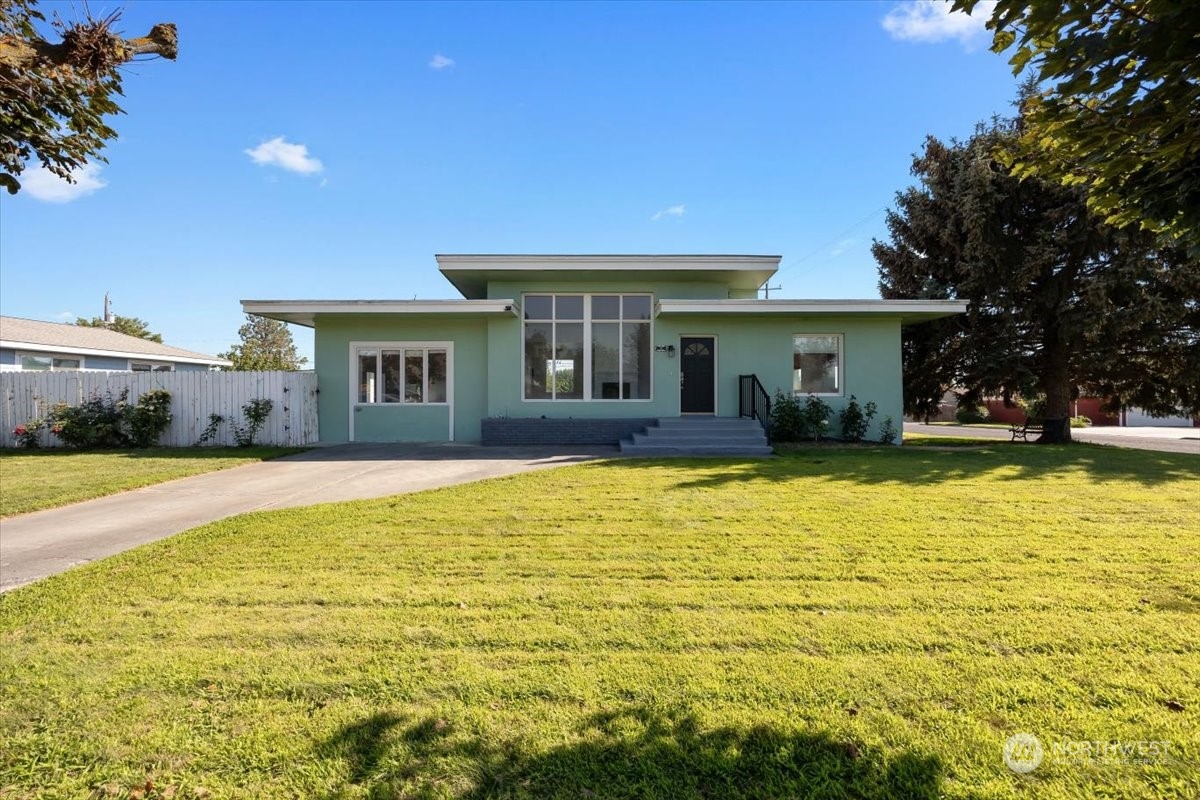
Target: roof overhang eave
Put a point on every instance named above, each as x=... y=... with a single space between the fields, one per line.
x=305 y=312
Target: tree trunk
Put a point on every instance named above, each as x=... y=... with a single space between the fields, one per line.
x=1056 y=382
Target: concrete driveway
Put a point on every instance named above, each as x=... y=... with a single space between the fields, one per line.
x=1165 y=440
x=34 y=546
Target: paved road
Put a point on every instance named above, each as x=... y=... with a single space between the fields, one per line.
x=1166 y=440
x=33 y=546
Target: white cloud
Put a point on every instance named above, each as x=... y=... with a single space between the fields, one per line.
x=66 y=316
x=283 y=154
x=671 y=211
x=934 y=21
x=440 y=61
x=841 y=247
x=42 y=184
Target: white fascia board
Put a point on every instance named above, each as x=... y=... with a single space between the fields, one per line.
x=903 y=308
x=632 y=263
x=304 y=312
x=34 y=347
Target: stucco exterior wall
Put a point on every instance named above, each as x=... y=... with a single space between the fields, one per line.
x=488 y=356
x=398 y=422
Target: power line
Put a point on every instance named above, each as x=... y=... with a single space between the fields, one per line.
x=834 y=240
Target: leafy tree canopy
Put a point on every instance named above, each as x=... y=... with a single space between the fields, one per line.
x=266 y=345
x=54 y=96
x=1118 y=109
x=1058 y=302
x=130 y=326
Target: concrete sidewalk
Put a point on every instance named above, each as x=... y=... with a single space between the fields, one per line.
x=1164 y=440
x=33 y=546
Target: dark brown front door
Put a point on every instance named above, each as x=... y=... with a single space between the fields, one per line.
x=697 y=369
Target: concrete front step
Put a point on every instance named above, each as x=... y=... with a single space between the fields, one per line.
x=659 y=436
x=703 y=421
x=694 y=450
x=699 y=436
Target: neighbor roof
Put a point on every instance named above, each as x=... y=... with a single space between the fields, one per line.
x=31 y=334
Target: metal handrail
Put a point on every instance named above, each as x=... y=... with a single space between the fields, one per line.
x=754 y=402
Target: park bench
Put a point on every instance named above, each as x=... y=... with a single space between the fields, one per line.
x=1031 y=425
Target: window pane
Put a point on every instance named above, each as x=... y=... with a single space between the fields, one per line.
x=164 y=368
x=636 y=307
x=140 y=368
x=606 y=306
x=635 y=357
x=66 y=363
x=539 y=373
x=414 y=376
x=815 y=368
x=366 y=376
x=539 y=306
x=568 y=306
x=568 y=361
x=437 y=376
x=35 y=362
x=391 y=376
x=606 y=359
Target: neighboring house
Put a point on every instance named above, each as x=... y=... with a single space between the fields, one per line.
x=573 y=349
x=27 y=344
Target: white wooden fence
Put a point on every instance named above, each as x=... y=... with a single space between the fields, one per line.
x=194 y=396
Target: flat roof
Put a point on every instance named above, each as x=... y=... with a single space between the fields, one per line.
x=305 y=312
x=471 y=272
x=909 y=311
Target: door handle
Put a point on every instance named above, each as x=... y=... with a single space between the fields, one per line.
x=680 y=379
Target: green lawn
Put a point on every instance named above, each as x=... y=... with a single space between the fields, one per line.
x=837 y=622
x=37 y=479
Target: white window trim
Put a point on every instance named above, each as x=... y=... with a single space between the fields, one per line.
x=52 y=356
x=587 y=341
x=380 y=346
x=841 y=340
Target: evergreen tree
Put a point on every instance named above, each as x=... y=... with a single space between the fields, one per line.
x=266 y=345
x=1058 y=302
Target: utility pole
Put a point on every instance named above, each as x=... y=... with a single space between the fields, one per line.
x=767 y=289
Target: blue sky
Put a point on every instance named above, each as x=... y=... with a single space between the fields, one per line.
x=320 y=150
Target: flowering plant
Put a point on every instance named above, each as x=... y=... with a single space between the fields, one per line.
x=27 y=434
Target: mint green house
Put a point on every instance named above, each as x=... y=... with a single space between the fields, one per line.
x=587 y=349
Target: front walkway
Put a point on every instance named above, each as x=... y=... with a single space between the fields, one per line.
x=34 y=546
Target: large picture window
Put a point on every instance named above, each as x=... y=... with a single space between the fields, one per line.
x=587 y=346
x=400 y=373
x=817 y=363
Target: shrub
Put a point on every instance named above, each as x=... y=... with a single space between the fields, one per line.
x=210 y=430
x=967 y=415
x=149 y=418
x=856 y=419
x=105 y=421
x=787 y=423
x=887 y=431
x=815 y=416
x=29 y=434
x=1080 y=422
x=94 y=423
x=256 y=413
